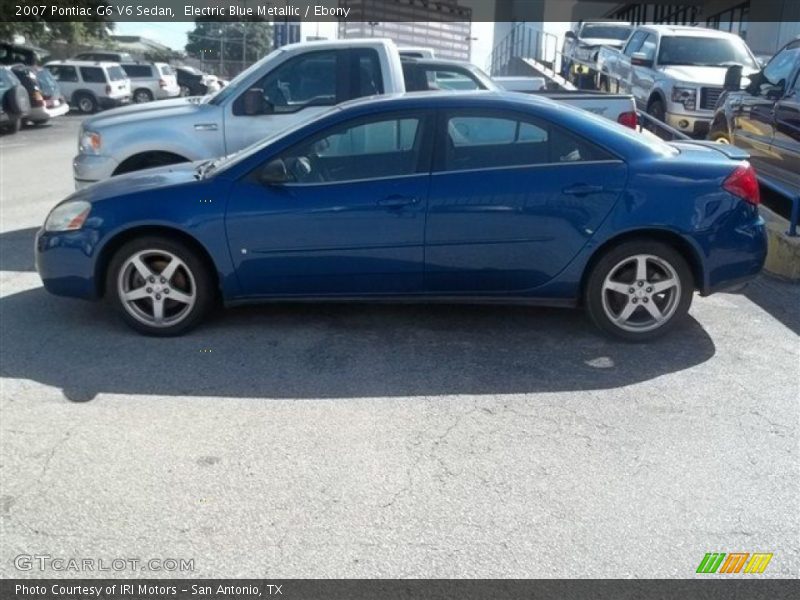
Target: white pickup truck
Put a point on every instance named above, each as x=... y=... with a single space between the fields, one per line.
x=289 y=85
x=675 y=73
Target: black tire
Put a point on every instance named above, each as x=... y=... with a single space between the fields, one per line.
x=16 y=101
x=620 y=260
x=195 y=280
x=656 y=109
x=142 y=95
x=86 y=103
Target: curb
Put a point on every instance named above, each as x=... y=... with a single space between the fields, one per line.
x=783 y=253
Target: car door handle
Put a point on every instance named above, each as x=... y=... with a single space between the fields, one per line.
x=205 y=126
x=397 y=201
x=582 y=189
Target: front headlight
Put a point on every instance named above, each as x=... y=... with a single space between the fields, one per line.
x=89 y=142
x=685 y=96
x=68 y=216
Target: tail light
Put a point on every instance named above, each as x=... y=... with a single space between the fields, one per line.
x=108 y=90
x=38 y=99
x=162 y=83
x=743 y=184
x=628 y=119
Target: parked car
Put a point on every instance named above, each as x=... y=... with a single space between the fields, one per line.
x=12 y=54
x=478 y=196
x=764 y=118
x=151 y=81
x=14 y=102
x=287 y=86
x=585 y=39
x=89 y=86
x=676 y=73
x=415 y=52
x=104 y=56
x=43 y=92
x=191 y=81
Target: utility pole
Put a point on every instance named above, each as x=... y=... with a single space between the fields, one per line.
x=221 y=50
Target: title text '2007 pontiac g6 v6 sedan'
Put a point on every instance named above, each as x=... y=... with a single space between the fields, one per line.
x=481 y=197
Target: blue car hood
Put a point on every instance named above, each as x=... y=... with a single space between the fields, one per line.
x=138 y=181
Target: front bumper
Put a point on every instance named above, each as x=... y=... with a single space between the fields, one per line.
x=65 y=262
x=690 y=124
x=89 y=168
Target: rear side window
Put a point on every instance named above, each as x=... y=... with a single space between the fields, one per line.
x=93 y=75
x=64 y=72
x=478 y=141
x=117 y=74
x=137 y=70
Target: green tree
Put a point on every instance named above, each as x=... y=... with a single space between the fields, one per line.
x=38 y=30
x=239 y=41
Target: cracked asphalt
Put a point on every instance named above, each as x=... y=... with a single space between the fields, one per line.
x=386 y=441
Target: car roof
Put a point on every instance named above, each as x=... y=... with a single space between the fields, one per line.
x=84 y=63
x=437 y=99
x=685 y=30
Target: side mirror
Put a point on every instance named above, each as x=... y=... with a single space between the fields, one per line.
x=640 y=59
x=274 y=173
x=254 y=103
x=733 y=78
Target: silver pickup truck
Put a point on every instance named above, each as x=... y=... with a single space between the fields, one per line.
x=675 y=73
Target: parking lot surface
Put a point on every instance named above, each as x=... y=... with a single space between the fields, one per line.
x=386 y=441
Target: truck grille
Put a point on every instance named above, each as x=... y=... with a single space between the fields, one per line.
x=709 y=97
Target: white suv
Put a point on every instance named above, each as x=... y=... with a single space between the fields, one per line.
x=89 y=85
x=152 y=81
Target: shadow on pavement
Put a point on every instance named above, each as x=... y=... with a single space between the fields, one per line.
x=16 y=250
x=331 y=351
x=781 y=299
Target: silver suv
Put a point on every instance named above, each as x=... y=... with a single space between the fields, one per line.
x=89 y=86
x=151 y=81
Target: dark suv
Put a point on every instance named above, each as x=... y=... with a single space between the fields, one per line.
x=764 y=118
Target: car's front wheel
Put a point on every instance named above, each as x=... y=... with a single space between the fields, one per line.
x=160 y=287
x=638 y=290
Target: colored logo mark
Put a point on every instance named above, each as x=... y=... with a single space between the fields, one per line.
x=734 y=562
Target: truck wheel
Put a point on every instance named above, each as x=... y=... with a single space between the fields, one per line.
x=86 y=103
x=159 y=286
x=142 y=95
x=719 y=137
x=656 y=109
x=638 y=290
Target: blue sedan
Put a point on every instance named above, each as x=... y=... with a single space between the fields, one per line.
x=482 y=197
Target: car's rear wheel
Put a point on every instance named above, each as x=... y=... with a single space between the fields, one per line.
x=86 y=103
x=140 y=96
x=160 y=287
x=638 y=290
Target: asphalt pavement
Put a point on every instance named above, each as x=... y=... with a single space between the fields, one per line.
x=385 y=441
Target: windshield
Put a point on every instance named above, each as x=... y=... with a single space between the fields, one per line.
x=606 y=32
x=47 y=82
x=704 y=52
x=116 y=74
x=230 y=89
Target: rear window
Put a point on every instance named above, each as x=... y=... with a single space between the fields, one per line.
x=47 y=82
x=117 y=74
x=93 y=75
x=137 y=70
x=167 y=70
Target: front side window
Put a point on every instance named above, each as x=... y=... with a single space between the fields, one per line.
x=368 y=80
x=782 y=64
x=699 y=51
x=489 y=141
x=93 y=75
x=388 y=147
x=648 y=47
x=307 y=80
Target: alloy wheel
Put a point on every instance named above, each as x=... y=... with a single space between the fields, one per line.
x=156 y=288
x=641 y=293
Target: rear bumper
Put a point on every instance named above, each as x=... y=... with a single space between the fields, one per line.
x=42 y=113
x=736 y=259
x=107 y=102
